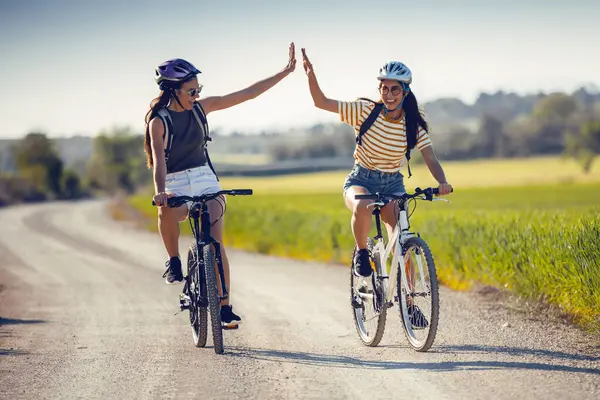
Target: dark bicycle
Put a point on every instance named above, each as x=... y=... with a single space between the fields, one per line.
x=202 y=292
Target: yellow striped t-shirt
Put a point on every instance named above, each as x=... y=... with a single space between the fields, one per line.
x=384 y=144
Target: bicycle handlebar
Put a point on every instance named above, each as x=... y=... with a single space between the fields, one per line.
x=428 y=193
x=176 y=201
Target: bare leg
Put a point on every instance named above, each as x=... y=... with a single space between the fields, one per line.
x=361 y=215
x=168 y=226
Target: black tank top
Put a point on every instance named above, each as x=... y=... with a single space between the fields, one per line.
x=187 y=148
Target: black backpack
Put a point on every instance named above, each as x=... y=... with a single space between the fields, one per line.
x=411 y=130
x=200 y=116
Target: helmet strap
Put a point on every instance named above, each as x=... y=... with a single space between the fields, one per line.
x=173 y=94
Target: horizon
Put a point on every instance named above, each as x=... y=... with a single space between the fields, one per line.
x=107 y=52
x=592 y=89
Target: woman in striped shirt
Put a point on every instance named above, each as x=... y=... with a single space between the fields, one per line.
x=381 y=153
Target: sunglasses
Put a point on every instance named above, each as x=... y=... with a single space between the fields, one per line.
x=394 y=89
x=195 y=91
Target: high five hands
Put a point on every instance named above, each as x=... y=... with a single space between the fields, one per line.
x=291 y=65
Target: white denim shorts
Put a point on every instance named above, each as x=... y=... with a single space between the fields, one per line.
x=192 y=182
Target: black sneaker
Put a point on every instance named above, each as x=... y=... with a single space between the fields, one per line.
x=173 y=274
x=228 y=318
x=416 y=317
x=362 y=263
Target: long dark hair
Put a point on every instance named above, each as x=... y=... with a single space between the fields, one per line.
x=414 y=118
x=156 y=104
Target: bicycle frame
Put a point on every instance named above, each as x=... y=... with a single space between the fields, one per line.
x=198 y=213
x=399 y=236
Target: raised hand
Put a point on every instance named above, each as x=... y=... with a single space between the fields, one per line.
x=291 y=66
x=308 y=68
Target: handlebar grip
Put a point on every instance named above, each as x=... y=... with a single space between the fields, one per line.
x=365 y=197
x=242 y=192
x=436 y=191
x=169 y=202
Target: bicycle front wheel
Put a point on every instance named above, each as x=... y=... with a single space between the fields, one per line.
x=367 y=302
x=418 y=294
x=197 y=292
x=214 y=302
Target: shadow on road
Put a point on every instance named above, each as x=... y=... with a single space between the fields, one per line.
x=14 y=321
x=514 y=351
x=337 y=361
x=12 y=352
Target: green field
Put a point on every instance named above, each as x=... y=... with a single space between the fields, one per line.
x=484 y=173
x=541 y=241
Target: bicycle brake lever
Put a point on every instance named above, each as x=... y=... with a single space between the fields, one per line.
x=440 y=199
x=377 y=203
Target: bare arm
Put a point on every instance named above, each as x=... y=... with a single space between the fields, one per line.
x=158 y=155
x=319 y=99
x=436 y=169
x=215 y=103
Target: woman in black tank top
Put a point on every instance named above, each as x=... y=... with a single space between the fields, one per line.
x=179 y=86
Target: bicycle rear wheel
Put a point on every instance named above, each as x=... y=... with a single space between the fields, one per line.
x=419 y=295
x=367 y=302
x=197 y=292
x=214 y=302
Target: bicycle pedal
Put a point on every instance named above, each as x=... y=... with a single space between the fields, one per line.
x=230 y=327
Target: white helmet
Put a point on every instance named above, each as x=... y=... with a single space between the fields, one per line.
x=395 y=70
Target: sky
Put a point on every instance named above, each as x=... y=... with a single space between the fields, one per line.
x=78 y=67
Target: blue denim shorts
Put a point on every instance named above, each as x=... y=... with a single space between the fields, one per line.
x=375 y=181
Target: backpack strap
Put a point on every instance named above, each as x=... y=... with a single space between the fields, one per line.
x=411 y=141
x=368 y=122
x=165 y=117
x=200 y=116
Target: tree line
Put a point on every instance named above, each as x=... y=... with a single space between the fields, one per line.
x=551 y=124
x=556 y=124
x=117 y=165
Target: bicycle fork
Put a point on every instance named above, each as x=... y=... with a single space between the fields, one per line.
x=219 y=261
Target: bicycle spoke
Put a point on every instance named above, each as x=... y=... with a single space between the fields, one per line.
x=367 y=301
x=418 y=295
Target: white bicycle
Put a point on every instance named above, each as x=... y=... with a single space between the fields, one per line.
x=409 y=280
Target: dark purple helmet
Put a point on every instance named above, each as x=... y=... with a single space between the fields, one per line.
x=172 y=72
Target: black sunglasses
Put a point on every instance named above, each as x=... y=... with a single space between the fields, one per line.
x=193 y=92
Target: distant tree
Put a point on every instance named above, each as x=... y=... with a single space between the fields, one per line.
x=584 y=146
x=37 y=160
x=117 y=161
x=556 y=108
x=71 y=185
x=491 y=140
x=551 y=115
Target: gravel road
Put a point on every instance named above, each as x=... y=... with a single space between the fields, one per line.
x=84 y=313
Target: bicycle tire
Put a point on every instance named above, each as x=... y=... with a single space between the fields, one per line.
x=365 y=338
x=198 y=312
x=423 y=345
x=214 y=302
